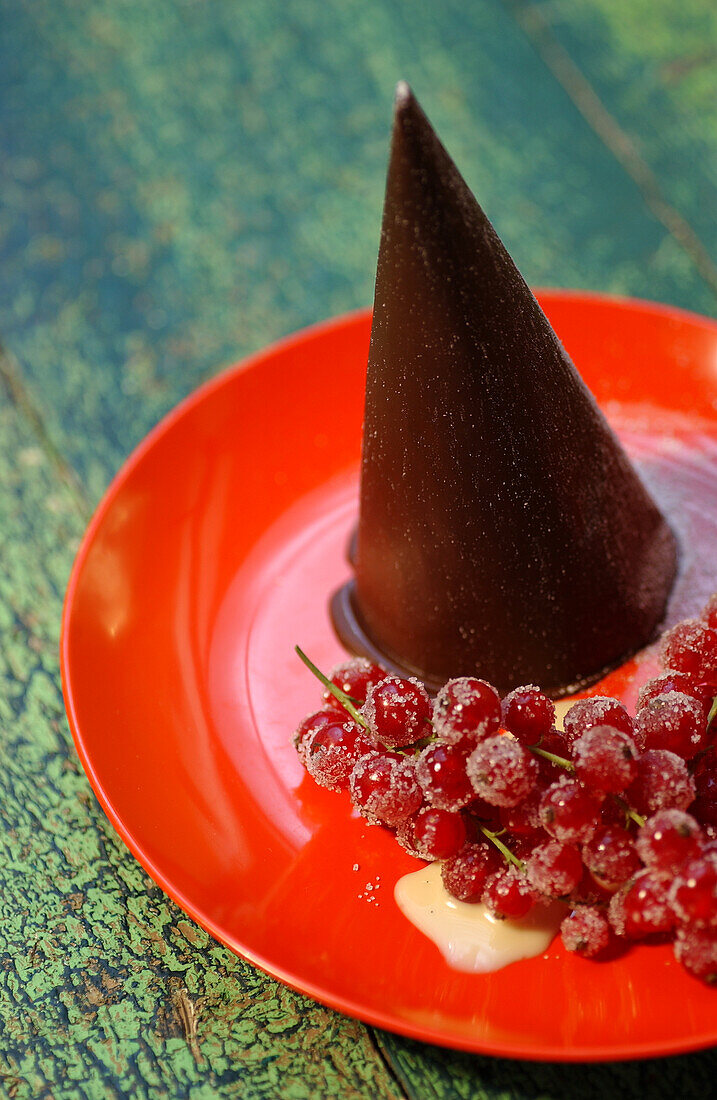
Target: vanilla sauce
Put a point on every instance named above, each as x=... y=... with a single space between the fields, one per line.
x=468 y=936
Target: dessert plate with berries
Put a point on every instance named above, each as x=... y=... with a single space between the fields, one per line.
x=215 y=552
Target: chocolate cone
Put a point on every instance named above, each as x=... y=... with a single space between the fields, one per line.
x=503 y=532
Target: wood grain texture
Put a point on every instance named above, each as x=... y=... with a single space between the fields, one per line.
x=108 y=990
x=644 y=75
x=183 y=182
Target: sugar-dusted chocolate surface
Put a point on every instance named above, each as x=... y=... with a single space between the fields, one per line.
x=503 y=531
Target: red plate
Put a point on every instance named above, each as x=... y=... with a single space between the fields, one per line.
x=213 y=552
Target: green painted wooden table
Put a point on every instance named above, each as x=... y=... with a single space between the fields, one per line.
x=184 y=181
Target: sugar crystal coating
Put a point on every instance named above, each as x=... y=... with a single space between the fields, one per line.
x=487 y=805
x=508 y=893
x=668 y=681
x=354 y=677
x=569 y=812
x=672 y=721
x=441 y=772
x=696 y=949
x=691 y=647
x=528 y=713
x=662 y=783
x=502 y=771
x=397 y=711
x=610 y=856
x=646 y=905
x=466 y=707
x=586 y=931
x=599 y=710
x=332 y=752
x=709 y=615
x=306 y=730
x=465 y=874
x=384 y=788
x=554 y=869
x=605 y=759
x=693 y=892
x=668 y=840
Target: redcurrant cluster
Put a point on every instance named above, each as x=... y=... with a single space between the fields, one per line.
x=521 y=813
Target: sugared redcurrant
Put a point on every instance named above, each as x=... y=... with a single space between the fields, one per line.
x=672 y=721
x=662 y=783
x=528 y=713
x=586 y=931
x=502 y=771
x=569 y=812
x=600 y=710
x=605 y=759
x=465 y=874
x=354 y=677
x=466 y=708
x=333 y=750
x=397 y=711
x=384 y=788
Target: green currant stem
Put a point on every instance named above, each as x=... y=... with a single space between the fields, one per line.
x=559 y=761
x=713 y=712
x=629 y=812
x=343 y=698
x=502 y=848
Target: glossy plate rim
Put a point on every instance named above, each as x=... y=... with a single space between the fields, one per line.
x=340 y=1003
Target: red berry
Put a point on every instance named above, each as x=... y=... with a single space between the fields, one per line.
x=705 y=775
x=528 y=713
x=673 y=721
x=586 y=931
x=384 y=788
x=610 y=856
x=668 y=839
x=645 y=906
x=569 y=812
x=333 y=751
x=554 y=869
x=353 y=677
x=605 y=759
x=502 y=772
x=466 y=708
x=670 y=681
x=694 y=892
x=305 y=733
x=397 y=711
x=691 y=647
x=465 y=874
x=441 y=771
x=508 y=894
x=709 y=615
x=523 y=819
x=662 y=783
x=433 y=833
x=704 y=808
x=696 y=949
x=601 y=710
